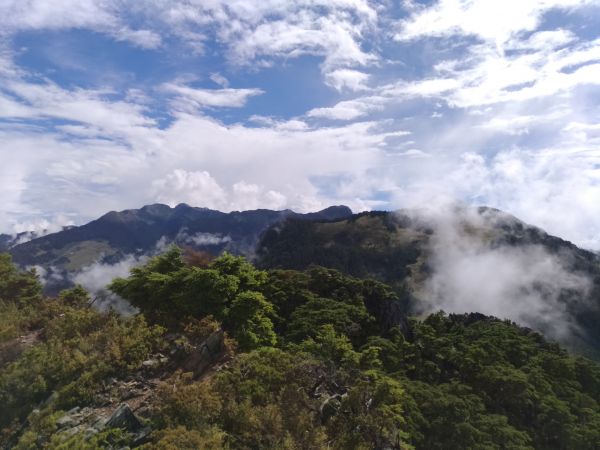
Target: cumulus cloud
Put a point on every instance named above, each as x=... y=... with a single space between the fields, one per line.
x=352 y=80
x=104 y=17
x=492 y=21
x=486 y=110
x=555 y=190
x=195 y=188
x=200 y=188
x=350 y=109
x=250 y=31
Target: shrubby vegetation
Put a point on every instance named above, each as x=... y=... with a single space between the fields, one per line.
x=313 y=366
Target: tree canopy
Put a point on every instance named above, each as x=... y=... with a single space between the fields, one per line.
x=312 y=363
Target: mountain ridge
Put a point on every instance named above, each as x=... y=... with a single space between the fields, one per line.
x=115 y=235
x=417 y=252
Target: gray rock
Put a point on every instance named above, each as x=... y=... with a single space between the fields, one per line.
x=124 y=418
x=66 y=421
x=142 y=437
x=206 y=354
x=151 y=363
x=67 y=432
x=90 y=431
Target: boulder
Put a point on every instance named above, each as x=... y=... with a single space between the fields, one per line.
x=206 y=354
x=124 y=418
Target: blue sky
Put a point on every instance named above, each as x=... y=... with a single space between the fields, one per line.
x=300 y=104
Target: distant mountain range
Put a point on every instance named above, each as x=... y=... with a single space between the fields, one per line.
x=148 y=230
x=461 y=260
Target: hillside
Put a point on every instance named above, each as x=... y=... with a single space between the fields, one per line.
x=457 y=260
x=225 y=356
x=146 y=231
x=460 y=261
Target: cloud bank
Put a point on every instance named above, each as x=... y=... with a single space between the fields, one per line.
x=474 y=269
x=238 y=105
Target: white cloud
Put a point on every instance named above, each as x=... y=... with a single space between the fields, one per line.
x=219 y=79
x=486 y=77
x=556 y=190
x=195 y=188
x=89 y=107
x=252 y=32
x=85 y=176
x=201 y=238
x=97 y=276
x=543 y=40
x=501 y=100
x=199 y=98
x=415 y=153
x=496 y=22
x=523 y=284
x=349 y=109
x=35 y=228
x=142 y=38
x=349 y=79
x=103 y=17
x=246 y=196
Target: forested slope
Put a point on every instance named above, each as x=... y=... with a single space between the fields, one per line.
x=223 y=355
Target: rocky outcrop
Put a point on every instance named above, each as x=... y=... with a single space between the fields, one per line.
x=124 y=419
x=389 y=313
x=91 y=421
x=206 y=354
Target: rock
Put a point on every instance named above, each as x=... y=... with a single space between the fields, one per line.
x=205 y=354
x=51 y=399
x=150 y=363
x=124 y=418
x=142 y=437
x=72 y=431
x=66 y=421
x=90 y=431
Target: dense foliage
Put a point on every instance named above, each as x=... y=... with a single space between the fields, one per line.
x=317 y=365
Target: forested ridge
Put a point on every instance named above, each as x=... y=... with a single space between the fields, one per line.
x=224 y=355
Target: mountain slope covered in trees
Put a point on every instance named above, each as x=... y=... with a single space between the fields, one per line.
x=145 y=231
x=224 y=355
x=464 y=260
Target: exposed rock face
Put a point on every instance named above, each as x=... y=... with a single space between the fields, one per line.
x=124 y=419
x=206 y=354
x=389 y=314
x=91 y=421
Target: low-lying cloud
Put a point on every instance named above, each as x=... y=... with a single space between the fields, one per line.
x=475 y=270
x=201 y=239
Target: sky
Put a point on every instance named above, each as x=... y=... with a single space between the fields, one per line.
x=244 y=104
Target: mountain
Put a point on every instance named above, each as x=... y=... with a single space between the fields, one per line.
x=144 y=231
x=455 y=259
x=460 y=260
x=8 y=241
x=5 y=242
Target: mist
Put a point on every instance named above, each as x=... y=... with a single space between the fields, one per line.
x=97 y=276
x=476 y=269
